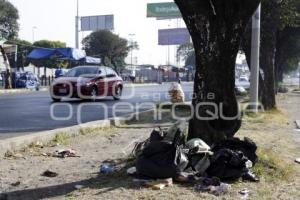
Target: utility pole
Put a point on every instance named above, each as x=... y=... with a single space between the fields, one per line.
x=16 y=58
x=33 y=34
x=131 y=54
x=77 y=27
x=299 y=74
x=255 y=47
x=168 y=58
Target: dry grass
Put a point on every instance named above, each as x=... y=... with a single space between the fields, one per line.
x=62 y=138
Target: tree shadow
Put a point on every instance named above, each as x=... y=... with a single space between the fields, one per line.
x=103 y=182
x=107 y=183
x=79 y=101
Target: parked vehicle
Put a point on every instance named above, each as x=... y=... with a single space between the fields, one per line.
x=87 y=82
x=27 y=80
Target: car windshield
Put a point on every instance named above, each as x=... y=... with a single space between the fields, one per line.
x=82 y=71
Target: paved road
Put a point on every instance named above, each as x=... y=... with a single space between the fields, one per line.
x=31 y=112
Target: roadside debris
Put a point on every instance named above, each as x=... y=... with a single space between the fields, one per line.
x=186 y=177
x=50 y=174
x=78 y=187
x=62 y=153
x=215 y=189
x=176 y=93
x=13 y=155
x=131 y=170
x=167 y=155
x=37 y=144
x=297 y=160
x=245 y=193
x=16 y=184
x=154 y=184
x=106 y=169
x=159 y=184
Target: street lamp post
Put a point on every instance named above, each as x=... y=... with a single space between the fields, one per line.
x=33 y=33
x=299 y=74
x=131 y=53
x=255 y=46
x=77 y=27
x=33 y=40
x=168 y=62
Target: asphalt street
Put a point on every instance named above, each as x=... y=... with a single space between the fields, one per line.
x=31 y=112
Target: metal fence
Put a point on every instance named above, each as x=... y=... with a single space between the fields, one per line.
x=158 y=76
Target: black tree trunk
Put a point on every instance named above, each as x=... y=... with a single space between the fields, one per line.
x=216 y=27
x=7 y=75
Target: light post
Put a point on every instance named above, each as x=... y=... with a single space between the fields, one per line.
x=33 y=40
x=255 y=47
x=131 y=53
x=299 y=74
x=77 y=27
x=33 y=33
x=168 y=62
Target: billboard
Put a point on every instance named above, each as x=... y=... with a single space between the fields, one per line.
x=163 y=10
x=100 y=22
x=176 y=36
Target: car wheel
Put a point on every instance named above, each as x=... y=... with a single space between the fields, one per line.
x=94 y=93
x=56 y=99
x=118 y=93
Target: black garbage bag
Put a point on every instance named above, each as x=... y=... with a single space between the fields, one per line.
x=162 y=159
x=247 y=146
x=156 y=135
x=227 y=164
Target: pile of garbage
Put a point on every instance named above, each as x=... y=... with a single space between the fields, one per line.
x=167 y=155
x=176 y=93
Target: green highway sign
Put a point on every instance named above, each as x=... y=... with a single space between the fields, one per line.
x=163 y=10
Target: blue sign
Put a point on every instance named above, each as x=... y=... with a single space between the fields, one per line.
x=176 y=36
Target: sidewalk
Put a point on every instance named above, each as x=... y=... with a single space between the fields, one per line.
x=20 y=172
x=14 y=91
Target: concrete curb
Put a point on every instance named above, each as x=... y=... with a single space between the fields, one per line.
x=16 y=143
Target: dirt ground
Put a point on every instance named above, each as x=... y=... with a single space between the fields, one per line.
x=279 y=145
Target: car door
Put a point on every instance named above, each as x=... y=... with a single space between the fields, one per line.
x=100 y=82
x=111 y=80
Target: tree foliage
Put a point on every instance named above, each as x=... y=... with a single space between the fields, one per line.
x=49 y=63
x=9 y=16
x=288 y=39
x=186 y=52
x=279 y=47
x=111 y=48
x=49 y=44
x=287 y=51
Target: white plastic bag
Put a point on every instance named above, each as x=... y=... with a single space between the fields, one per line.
x=176 y=93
